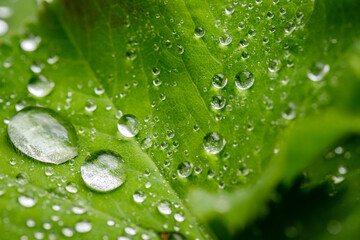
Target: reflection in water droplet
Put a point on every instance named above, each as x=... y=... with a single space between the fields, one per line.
x=40 y=86
x=274 y=65
x=128 y=125
x=164 y=208
x=214 y=143
x=225 y=39
x=185 y=169
x=318 y=71
x=244 y=80
x=103 y=171
x=42 y=134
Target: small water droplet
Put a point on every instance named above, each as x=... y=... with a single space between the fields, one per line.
x=30 y=44
x=219 y=81
x=218 y=102
x=27 y=201
x=83 y=227
x=244 y=80
x=128 y=125
x=90 y=106
x=199 y=32
x=4 y=27
x=185 y=169
x=318 y=71
x=71 y=187
x=214 y=143
x=103 y=171
x=40 y=86
x=146 y=143
x=274 y=65
x=225 y=39
x=179 y=217
x=42 y=134
x=139 y=196
x=164 y=208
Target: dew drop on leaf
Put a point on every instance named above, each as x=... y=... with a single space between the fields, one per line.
x=128 y=125
x=30 y=44
x=199 y=32
x=83 y=227
x=139 y=196
x=40 y=86
x=4 y=27
x=103 y=171
x=218 y=102
x=317 y=71
x=44 y=135
x=219 y=81
x=185 y=169
x=27 y=201
x=244 y=80
x=213 y=143
x=164 y=208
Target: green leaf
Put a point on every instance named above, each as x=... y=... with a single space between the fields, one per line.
x=146 y=57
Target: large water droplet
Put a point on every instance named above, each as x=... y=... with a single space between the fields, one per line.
x=40 y=86
x=164 y=208
x=214 y=143
x=128 y=125
x=104 y=171
x=318 y=71
x=185 y=169
x=244 y=80
x=44 y=135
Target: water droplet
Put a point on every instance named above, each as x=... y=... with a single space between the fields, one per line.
x=42 y=134
x=218 y=102
x=146 y=143
x=30 y=44
x=225 y=39
x=244 y=42
x=99 y=90
x=180 y=49
x=71 y=187
x=90 y=106
x=131 y=54
x=130 y=231
x=274 y=65
x=219 y=81
x=179 y=217
x=230 y=9
x=185 y=169
x=139 y=196
x=213 y=143
x=83 y=227
x=244 y=80
x=103 y=171
x=318 y=71
x=40 y=86
x=164 y=208
x=67 y=232
x=27 y=201
x=199 y=32
x=128 y=125
x=156 y=71
x=290 y=112
x=4 y=27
